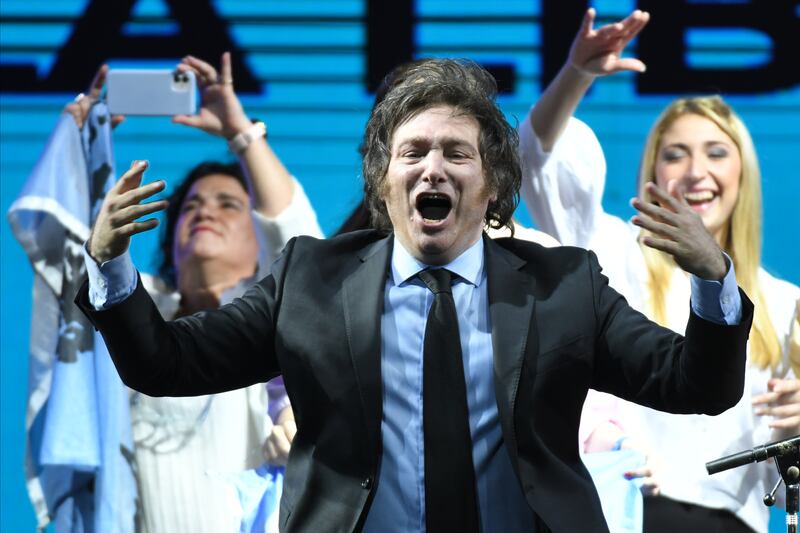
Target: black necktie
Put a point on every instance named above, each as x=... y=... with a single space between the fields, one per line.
x=450 y=500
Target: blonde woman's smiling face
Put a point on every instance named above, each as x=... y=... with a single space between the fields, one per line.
x=706 y=166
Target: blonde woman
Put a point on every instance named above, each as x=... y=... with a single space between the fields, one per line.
x=701 y=152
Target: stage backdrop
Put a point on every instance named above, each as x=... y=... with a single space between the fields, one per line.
x=308 y=68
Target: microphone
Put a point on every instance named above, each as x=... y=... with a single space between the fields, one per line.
x=757 y=454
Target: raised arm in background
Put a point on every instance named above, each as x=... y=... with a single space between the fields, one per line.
x=221 y=114
x=594 y=52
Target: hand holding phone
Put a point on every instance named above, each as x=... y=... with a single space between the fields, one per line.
x=152 y=92
x=221 y=112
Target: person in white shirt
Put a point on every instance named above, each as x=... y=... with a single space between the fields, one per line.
x=702 y=153
x=225 y=225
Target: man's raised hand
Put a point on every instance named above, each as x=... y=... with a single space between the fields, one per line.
x=677 y=230
x=121 y=208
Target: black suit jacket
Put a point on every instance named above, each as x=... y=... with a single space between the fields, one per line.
x=557 y=330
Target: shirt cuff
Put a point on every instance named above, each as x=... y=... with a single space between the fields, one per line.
x=717 y=301
x=111 y=282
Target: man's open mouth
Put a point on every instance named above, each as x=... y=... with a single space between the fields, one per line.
x=433 y=206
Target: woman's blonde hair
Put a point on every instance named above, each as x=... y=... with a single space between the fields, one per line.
x=741 y=235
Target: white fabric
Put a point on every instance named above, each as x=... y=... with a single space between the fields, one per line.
x=187 y=449
x=563 y=191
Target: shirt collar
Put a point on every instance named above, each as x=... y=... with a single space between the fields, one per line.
x=468 y=265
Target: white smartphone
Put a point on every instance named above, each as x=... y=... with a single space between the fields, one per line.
x=151 y=92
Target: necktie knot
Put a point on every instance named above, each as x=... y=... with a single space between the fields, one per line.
x=437 y=280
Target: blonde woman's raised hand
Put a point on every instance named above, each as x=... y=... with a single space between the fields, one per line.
x=117 y=220
x=221 y=112
x=598 y=51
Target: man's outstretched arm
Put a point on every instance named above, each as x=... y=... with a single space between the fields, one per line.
x=205 y=353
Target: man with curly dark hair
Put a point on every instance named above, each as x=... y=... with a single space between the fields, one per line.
x=437 y=376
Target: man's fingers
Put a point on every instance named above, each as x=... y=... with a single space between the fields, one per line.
x=128 y=230
x=131 y=213
x=136 y=195
x=664 y=198
x=664 y=245
x=677 y=191
x=668 y=231
x=131 y=178
x=654 y=211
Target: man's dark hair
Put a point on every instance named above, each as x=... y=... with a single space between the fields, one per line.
x=166 y=270
x=471 y=91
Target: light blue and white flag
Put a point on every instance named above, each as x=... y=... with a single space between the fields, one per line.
x=78 y=463
x=621 y=498
x=259 y=493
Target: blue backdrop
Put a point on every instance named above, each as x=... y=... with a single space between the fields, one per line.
x=308 y=66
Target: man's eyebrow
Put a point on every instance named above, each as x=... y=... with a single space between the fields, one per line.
x=414 y=141
x=448 y=142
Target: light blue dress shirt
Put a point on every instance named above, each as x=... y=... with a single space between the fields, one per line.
x=399 y=501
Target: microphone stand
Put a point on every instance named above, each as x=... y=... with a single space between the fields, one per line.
x=786 y=454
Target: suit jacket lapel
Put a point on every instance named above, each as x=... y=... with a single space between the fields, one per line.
x=363 y=293
x=511 y=303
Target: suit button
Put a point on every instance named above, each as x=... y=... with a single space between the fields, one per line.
x=367 y=483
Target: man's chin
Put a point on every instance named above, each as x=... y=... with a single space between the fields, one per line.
x=434 y=249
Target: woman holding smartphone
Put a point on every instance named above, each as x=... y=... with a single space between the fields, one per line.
x=187 y=450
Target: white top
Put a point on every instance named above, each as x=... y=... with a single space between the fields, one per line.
x=188 y=449
x=563 y=191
